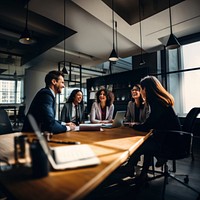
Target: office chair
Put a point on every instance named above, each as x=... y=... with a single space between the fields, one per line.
x=189 y=122
x=175 y=145
x=188 y=126
x=5 y=124
x=21 y=115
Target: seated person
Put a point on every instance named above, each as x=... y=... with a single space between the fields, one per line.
x=161 y=117
x=42 y=107
x=73 y=109
x=102 y=110
x=137 y=110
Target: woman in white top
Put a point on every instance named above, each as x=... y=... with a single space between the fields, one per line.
x=102 y=110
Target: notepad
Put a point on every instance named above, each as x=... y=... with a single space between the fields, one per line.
x=88 y=127
x=65 y=157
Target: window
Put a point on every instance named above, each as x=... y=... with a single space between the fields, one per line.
x=190 y=79
x=183 y=77
x=11 y=91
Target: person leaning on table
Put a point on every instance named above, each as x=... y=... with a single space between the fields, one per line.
x=161 y=117
x=43 y=105
x=103 y=108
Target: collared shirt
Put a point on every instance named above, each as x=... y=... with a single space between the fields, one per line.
x=73 y=111
x=75 y=114
x=53 y=93
x=62 y=123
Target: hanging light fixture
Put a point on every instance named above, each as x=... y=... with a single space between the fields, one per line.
x=64 y=70
x=113 y=56
x=172 y=41
x=142 y=62
x=25 y=37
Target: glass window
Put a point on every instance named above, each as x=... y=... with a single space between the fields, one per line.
x=183 y=85
x=190 y=79
x=11 y=91
x=191 y=56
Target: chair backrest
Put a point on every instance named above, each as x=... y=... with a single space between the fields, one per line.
x=174 y=144
x=5 y=124
x=21 y=113
x=188 y=124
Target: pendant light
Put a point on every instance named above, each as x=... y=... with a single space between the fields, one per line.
x=64 y=70
x=25 y=37
x=142 y=62
x=113 y=56
x=172 y=41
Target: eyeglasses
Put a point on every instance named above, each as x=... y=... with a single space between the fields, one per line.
x=135 y=90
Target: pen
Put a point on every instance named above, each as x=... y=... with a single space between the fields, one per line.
x=63 y=142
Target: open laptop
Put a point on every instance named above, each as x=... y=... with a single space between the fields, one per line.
x=65 y=157
x=118 y=120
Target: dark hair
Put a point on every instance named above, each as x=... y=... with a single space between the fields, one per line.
x=155 y=91
x=73 y=94
x=109 y=96
x=140 y=98
x=53 y=75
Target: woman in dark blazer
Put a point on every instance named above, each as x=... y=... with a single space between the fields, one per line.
x=73 y=109
x=161 y=117
x=137 y=110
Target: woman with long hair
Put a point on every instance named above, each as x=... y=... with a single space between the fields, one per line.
x=103 y=108
x=73 y=109
x=137 y=109
x=161 y=117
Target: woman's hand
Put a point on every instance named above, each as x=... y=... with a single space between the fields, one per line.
x=132 y=124
x=71 y=125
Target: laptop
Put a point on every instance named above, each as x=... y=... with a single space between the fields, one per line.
x=65 y=157
x=118 y=120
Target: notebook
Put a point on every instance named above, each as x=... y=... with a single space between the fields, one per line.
x=88 y=127
x=65 y=157
x=118 y=120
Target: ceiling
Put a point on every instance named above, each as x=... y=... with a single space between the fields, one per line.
x=88 y=32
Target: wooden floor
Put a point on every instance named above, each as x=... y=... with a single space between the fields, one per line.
x=174 y=190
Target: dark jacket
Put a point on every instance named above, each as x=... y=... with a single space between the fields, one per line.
x=66 y=113
x=130 y=113
x=161 y=117
x=43 y=110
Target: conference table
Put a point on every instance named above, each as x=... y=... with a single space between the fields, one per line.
x=112 y=146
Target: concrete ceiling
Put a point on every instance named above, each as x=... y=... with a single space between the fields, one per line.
x=89 y=27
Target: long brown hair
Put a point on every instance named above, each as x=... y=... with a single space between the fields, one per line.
x=140 y=98
x=155 y=91
x=109 y=96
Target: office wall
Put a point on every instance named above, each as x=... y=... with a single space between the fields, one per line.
x=33 y=82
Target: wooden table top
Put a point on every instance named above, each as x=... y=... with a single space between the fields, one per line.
x=112 y=146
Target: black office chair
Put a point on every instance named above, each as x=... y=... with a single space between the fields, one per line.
x=175 y=145
x=189 y=123
x=21 y=115
x=188 y=126
x=5 y=124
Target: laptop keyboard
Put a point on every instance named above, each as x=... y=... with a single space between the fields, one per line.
x=64 y=154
